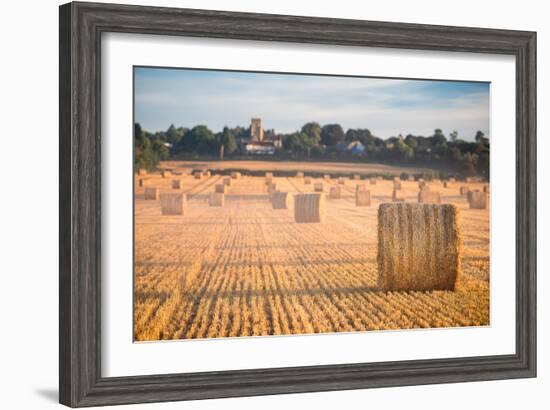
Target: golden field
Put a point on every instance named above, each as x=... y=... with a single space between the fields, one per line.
x=246 y=269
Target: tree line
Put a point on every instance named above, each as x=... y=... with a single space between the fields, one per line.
x=316 y=142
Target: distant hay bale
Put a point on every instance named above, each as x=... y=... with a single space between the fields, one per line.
x=197 y=174
x=309 y=208
x=422 y=183
x=220 y=188
x=362 y=198
x=269 y=174
x=227 y=181
x=425 y=196
x=299 y=174
x=141 y=172
x=281 y=200
x=486 y=188
x=142 y=182
x=235 y=175
x=173 y=203
x=478 y=200
x=176 y=184
x=469 y=179
x=357 y=177
x=445 y=184
x=271 y=188
x=397 y=196
x=216 y=199
x=464 y=190
x=326 y=177
x=372 y=181
x=151 y=193
x=165 y=173
x=360 y=187
x=206 y=173
x=419 y=247
x=335 y=192
x=452 y=179
x=318 y=187
x=410 y=178
x=342 y=181
x=396 y=184
x=268 y=180
x=307 y=180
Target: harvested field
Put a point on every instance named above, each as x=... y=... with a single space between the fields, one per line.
x=246 y=269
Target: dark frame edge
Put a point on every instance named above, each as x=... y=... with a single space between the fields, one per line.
x=80 y=383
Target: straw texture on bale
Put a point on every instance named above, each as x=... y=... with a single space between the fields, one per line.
x=309 y=208
x=419 y=247
x=281 y=200
x=173 y=203
x=335 y=192
x=362 y=198
x=299 y=174
x=176 y=184
x=220 y=188
x=165 y=173
x=464 y=190
x=142 y=172
x=151 y=193
x=425 y=196
x=478 y=200
x=318 y=187
x=396 y=185
x=216 y=199
x=307 y=180
x=342 y=181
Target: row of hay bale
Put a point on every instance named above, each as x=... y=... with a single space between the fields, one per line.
x=175 y=203
x=476 y=199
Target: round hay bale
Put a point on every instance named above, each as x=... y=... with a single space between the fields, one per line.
x=425 y=196
x=342 y=181
x=141 y=172
x=451 y=180
x=269 y=174
x=318 y=187
x=307 y=180
x=235 y=175
x=464 y=190
x=335 y=192
x=165 y=173
x=220 y=188
x=309 y=208
x=206 y=173
x=176 y=184
x=445 y=184
x=372 y=181
x=281 y=200
x=326 y=177
x=397 y=196
x=478 y=200
x=419 y=247
x=362 y=198
x=197 y=174
x=152 y=193
x=216 y=199
x=227 y=181
x=299 y=174
x=357 y=177
x=173 y=203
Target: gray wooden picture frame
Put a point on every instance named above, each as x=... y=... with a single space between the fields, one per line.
x=81 y=27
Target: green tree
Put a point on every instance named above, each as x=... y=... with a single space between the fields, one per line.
x=332 y=134
x=313 y=132
x=228 y=141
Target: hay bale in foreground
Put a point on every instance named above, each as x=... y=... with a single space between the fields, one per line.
x=307 y=180
x=309 y=208
x=397 y=196
x=362 y=198
x=216 y=199
x=173 y=203
x=425 y=196
x=166 y=173
x=318 y=187
x=176 y=184
x=152 y=193
x=478 y=200
x=396 y=184
x=220 y=188
x=419 y=247
x=335 y=192
x=281 y=200
x=464 y=190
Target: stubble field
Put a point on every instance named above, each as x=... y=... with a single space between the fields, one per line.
x=246 y=269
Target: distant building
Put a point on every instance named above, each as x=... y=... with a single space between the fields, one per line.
x=261 y=142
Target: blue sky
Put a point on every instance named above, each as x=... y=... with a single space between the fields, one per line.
x=285 y=102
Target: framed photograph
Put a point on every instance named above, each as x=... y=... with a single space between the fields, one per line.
x=259 y=204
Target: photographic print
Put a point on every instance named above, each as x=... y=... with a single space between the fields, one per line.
x=271 y=204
